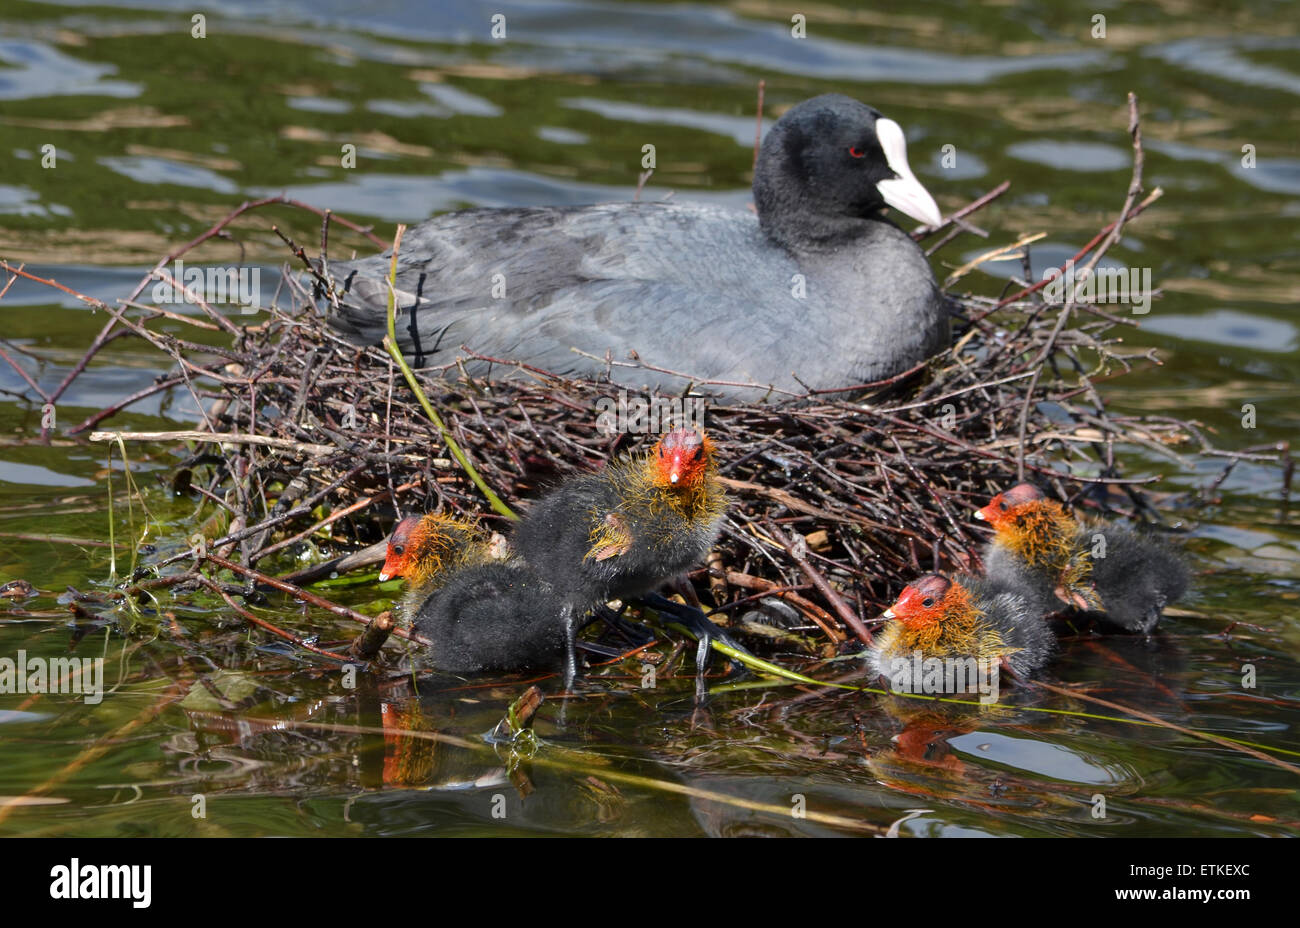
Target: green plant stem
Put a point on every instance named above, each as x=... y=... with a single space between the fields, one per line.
x=390 y=343
x=761 y=666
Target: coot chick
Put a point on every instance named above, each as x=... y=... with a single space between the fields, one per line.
x=477 y=612
x=818 y=290
x=624 y=531
x=961 y=618
x=496 y=616
x=1088 y=565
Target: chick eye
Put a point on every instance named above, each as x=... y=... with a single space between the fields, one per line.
x=399 y=549
x=927 y=603
x=699 y=453
x=1003 y=505
x=855 y=152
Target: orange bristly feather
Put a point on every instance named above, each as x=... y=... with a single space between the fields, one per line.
x=953 y=626
x=642 y=487
x=442 y=542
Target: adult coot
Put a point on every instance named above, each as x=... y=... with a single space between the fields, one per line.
x=817 y=291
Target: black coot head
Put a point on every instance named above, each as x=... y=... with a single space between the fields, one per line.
x=830 y=162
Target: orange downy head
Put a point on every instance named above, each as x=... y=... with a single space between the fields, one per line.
x=401 y=549
x=681 y=458
x=1010 y=503
x=922 y=602
x=423 y=547
x=936 y=614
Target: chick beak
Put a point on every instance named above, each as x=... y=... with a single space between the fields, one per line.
x=888 y=613
x=383 y=575
x=676 y=469
x=979 y=514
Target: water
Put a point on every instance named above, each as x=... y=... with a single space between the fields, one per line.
x=157 y=134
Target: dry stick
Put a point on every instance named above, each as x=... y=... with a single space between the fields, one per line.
x=847 y=615
x=758 y=124
x=1150 y=198
x=1037 y=365
x=925 y=484
x=4 y=354
x=795 y=504
x=1116 y=229
x=303 y=507
x=11 y=281
x=390 y=342
x=168 y=314
x=218 y=438
x=222 y=321
x=117 y=407
x=924 y=232
x=983 y=452
x=24 y=375
x=159 y=342
x=368 y=644
x=279 y=632
x=304 y=595
x=216 y=229
x=985 y=257
x=815 y=613
x=333 y=517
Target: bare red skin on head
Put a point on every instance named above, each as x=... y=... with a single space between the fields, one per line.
x=1006 y=504
x=911 y=608
x=397 y=559
x=681 y=458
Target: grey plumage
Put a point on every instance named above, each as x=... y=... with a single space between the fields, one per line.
x=1019 y=618
x=819 y=291
x=1010 y=625
x=1137 y=577
x=554 y=537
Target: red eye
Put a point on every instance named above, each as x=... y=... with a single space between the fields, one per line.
x=856 y=152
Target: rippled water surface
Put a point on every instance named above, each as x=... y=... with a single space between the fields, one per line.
x=157 y=134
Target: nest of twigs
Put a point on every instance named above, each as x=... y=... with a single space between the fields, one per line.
x=833 y=497
x=838 y=500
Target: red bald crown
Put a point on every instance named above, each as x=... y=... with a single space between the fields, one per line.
x=681 y=458
x=1006 y=504
x=921 y=601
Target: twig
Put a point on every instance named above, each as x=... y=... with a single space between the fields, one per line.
x=847 y=615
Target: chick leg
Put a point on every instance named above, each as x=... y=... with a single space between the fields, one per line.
x=695 y=620
x=568 y=621
x=632 y=632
